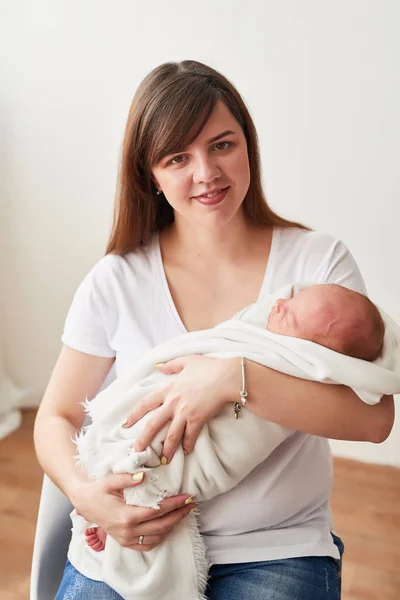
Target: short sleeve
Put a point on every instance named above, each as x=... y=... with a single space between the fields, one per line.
x=341 y=268
x=85 y=328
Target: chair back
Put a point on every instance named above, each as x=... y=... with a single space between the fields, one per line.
x=53 y=533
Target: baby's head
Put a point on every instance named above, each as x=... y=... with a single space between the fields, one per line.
x=332 y=316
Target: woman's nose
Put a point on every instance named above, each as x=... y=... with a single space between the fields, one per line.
x=205 y=170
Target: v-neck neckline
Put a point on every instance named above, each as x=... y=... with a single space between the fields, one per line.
x=167 y=290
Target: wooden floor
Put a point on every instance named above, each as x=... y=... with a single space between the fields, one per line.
x=366 y=507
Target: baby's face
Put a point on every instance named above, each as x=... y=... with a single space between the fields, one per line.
x=309 y=312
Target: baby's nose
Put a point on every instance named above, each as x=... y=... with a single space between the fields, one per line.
x=278 y=304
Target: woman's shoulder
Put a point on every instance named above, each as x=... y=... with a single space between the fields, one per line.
x=308 y=255
x=125 y=267
x=305 y=238
x=304 y=245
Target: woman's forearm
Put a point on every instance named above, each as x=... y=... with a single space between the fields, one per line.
x=330 y=411
x=56 y=451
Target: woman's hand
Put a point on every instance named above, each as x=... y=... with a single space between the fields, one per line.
x=192 y=398
x=102 y=502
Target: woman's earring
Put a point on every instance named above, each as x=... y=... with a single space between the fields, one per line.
x=159 y=192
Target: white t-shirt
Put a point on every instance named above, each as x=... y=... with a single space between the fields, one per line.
x=123 y=308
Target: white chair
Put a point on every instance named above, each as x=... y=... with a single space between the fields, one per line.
x=53 y=532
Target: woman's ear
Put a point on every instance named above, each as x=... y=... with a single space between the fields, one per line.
x=154 y=180
x=159 y=191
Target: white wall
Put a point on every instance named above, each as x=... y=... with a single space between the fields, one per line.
x=322 y=81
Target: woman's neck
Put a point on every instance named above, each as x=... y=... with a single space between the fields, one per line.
x=233 y=243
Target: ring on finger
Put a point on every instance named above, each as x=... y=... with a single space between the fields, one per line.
x=141 y=538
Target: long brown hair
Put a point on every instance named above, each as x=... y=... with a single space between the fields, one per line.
x=168 y=111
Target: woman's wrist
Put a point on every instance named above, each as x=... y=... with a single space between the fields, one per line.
x=233 y=382
x=74 y=487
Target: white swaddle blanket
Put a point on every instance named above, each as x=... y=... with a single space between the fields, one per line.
x=226 y=450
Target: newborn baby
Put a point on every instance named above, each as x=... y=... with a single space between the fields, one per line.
x=332 y=316
x=327 y=314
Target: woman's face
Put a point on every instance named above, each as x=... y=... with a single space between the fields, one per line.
x=207 y=182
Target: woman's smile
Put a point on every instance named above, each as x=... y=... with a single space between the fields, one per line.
x=212 y=198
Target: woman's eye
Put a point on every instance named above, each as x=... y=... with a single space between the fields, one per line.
x=222 y=145
x=176 y=160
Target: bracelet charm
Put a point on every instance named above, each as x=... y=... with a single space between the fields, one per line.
x=237 y=409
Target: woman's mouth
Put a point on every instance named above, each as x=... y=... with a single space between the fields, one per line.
x=212 y=198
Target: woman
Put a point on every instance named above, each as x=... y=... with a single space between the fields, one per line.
x=193 y=242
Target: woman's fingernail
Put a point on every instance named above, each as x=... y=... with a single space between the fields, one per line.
x=164 y=460
x=185 y=452
x=125 y=424
x=189 y=500
x=138 y=476
x=159 y=364
x=193 y=508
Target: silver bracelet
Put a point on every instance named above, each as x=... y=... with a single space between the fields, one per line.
x=239 y=404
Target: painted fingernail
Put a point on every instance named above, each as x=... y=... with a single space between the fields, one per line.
x=193 y=508
x=125 y=424
x=138 y=476
x=189 y=500
x=159 y=364
x=185 y=452
x=164 y=460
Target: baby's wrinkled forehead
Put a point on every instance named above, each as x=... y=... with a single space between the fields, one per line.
x=326 y=304
x=337 y=302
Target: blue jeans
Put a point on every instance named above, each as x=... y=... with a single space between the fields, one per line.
x=75 y=586
x=303 y=578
